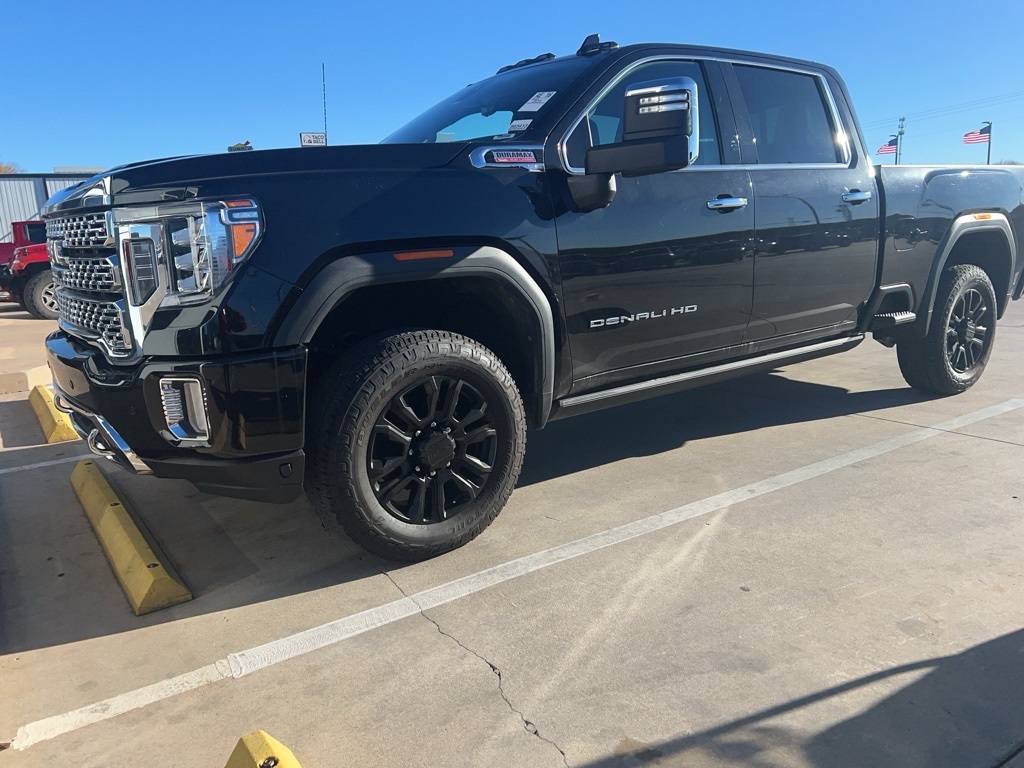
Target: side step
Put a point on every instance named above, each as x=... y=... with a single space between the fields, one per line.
x=891 y=320
x=593 y=401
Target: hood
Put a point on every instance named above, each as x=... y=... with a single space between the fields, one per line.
x=178 y=178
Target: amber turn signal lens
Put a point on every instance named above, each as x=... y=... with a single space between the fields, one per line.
x=242 y=236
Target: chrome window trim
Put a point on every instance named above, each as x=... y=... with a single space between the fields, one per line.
x=841 y=136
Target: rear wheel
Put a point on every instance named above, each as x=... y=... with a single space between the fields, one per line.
x=416 y=442
x=40 y=296
x=952 y=357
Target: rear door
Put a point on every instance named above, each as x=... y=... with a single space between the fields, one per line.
x=816 y=204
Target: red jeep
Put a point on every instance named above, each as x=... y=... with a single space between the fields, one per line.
x=25 y=275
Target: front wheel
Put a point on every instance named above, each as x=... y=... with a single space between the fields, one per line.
x=40 y=296
x=952 y=357
x=415 y=443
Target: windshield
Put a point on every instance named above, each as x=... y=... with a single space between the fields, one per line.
x=499 y=107
x=36 y=232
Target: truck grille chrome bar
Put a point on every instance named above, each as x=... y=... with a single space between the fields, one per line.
x=88 y=231
x=95 y=320
x=87 y=274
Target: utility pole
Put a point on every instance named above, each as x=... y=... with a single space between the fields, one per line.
x=323 y=80
x=988 y=159
x=899 y=139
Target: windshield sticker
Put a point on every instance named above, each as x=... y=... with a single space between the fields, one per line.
x=519 y=125
x=537 y=101
x=513 y=156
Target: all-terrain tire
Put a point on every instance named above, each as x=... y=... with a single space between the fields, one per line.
x=434 y=407
x=952 y=356
x=40 y=296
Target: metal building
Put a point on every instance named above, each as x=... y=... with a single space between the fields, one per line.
x=22 y=195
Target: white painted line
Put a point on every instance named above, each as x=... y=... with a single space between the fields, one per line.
x=41 y=464
x=42 y=730
x=253 y=659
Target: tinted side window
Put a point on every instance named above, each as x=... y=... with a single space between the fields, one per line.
x=603 y=124
x=788 y=115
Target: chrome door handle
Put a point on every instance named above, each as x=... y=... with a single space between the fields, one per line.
x=727 y=203
x=856 y=196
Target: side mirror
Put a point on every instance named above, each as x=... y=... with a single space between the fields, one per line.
x=660 y=131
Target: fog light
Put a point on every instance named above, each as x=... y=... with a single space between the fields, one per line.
x=184 y=403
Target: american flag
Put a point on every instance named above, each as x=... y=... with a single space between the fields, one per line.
x=978 y=137
x=889 y=148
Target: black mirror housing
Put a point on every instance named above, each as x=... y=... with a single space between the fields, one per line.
x=640 y=157
x=660 y=131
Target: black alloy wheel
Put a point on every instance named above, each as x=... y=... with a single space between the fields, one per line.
x=967 y=335
x=432 y=450
x=952 y=356
x=414 y=442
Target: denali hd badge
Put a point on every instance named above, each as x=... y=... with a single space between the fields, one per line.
x=623 y=319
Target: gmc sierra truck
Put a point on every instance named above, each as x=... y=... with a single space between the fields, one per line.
x=379 y=325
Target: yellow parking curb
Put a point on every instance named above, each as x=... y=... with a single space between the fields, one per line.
x=148 y=583
x=56 y=424
x=261 y=750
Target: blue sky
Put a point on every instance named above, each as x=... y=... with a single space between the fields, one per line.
x=105 y=83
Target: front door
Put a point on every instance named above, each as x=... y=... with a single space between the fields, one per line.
x=657 y=275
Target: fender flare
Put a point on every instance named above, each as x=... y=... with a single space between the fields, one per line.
x=965 y=224
x=337 y=280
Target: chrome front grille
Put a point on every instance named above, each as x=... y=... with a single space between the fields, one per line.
x=99 y=319
x=87 y=274
x=86 y=231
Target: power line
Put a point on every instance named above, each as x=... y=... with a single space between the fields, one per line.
x=951 y=109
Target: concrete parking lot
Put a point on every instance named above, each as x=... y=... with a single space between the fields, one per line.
x=814 y=567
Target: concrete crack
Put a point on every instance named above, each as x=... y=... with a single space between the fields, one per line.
x=528 y=725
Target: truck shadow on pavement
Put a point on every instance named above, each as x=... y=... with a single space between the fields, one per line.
x=235 y=553
x=19 y=427
x=966 y=710
x=665 y=423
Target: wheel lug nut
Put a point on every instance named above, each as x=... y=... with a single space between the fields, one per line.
x=433 y=473
x=433 y=423
x=410 y=453
x=447 y=430
x=448 y=464
x=417 y=469
x=417 y=433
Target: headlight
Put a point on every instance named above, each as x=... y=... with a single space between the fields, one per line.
x=187 y=250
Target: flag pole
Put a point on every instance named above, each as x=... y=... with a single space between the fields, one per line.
x=988 y=159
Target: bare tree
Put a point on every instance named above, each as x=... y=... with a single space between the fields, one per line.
x=9 y=167
x=1009 y=162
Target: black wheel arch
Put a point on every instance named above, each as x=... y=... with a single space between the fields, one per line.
x=984 y=239
x=354 y=290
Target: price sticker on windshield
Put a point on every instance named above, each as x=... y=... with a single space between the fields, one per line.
x=537 y=101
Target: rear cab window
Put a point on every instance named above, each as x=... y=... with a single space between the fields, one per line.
x=790 y=117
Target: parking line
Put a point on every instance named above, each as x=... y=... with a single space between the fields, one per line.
x=41 y=464
x=246 y=662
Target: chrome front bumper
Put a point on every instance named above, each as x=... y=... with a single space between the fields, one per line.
x=101 y=438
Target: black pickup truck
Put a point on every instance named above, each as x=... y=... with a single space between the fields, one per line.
x=378 y=325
